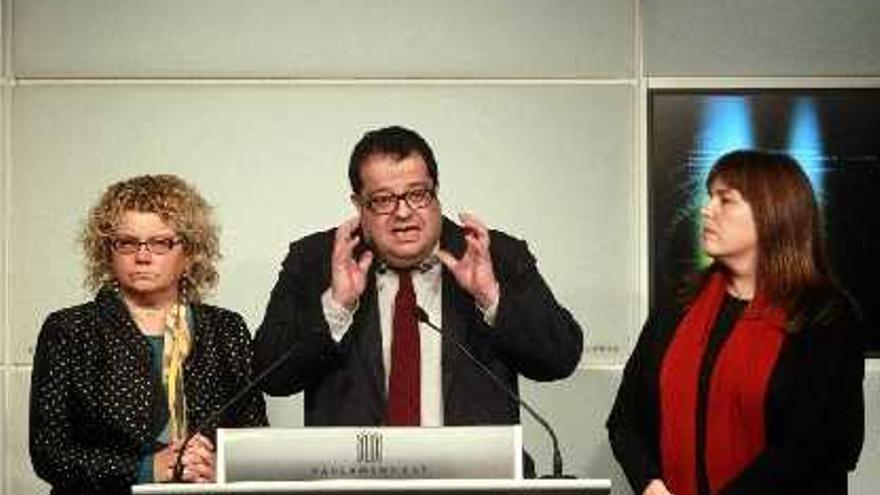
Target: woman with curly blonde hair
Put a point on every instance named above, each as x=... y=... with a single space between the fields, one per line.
x=119 y=382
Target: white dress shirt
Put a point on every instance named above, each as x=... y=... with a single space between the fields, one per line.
x=427 y=284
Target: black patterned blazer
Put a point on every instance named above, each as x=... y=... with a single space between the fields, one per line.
x=95 y=404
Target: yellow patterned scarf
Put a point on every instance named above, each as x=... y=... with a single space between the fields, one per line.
x=174 y=353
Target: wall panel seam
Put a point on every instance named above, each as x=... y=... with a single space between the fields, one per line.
x=25 y=81
x=760 y=82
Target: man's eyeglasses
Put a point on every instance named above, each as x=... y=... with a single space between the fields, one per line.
x=385 y=202
x=155 y=245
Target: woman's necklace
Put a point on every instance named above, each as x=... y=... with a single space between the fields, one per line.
x=741 y=295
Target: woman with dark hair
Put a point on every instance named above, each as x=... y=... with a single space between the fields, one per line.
x=751 y=383
x=119 y=382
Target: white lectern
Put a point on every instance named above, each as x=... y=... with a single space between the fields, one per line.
x=364 y=461
x=396 y=452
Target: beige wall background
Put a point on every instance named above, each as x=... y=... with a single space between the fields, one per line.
x=535 y=109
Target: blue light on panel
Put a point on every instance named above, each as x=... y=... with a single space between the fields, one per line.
x=725 y=126
x=805 y=141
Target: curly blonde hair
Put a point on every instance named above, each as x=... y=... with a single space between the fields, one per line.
x=179 y=205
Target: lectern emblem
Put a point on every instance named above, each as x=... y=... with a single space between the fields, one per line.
x=369 y=446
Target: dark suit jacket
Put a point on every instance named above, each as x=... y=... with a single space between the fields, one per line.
x=95 y=405
x=344 y=383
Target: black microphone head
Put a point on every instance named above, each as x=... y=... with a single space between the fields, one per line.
x=421 y=314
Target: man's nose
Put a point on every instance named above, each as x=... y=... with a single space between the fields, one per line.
x=403 y=209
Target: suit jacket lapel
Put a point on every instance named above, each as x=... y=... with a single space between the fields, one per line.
x=368 y=345
x=454 y=298
x=453 y=328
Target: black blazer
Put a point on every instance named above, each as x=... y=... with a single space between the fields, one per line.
x=344 y=383
x=94 y=401
x=814 y=411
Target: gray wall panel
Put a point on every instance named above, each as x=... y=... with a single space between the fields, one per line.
x=866 y=478
x=5 y=92
x=20 y=476
x=762 y=38
x=576 y=408
x=330 y=38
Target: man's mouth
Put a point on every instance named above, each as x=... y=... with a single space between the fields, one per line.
x=406 y=231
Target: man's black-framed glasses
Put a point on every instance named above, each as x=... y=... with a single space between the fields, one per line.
x=155 y=245
x=384 y=203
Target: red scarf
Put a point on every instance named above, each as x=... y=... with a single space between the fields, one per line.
x=737 y=388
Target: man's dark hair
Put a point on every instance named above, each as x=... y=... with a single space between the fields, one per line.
x=395 y=141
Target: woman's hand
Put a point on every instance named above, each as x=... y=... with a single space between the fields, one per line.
x=198 y=460
x=163 y=463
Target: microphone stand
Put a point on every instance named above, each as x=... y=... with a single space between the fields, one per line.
x=422 y=316
x=177 y=476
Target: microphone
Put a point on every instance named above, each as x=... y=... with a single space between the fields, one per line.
x=177 y=476
x=557 y=455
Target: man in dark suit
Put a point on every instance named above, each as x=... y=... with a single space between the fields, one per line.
x=347 y=300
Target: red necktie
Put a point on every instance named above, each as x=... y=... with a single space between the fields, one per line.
x=404 y=394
